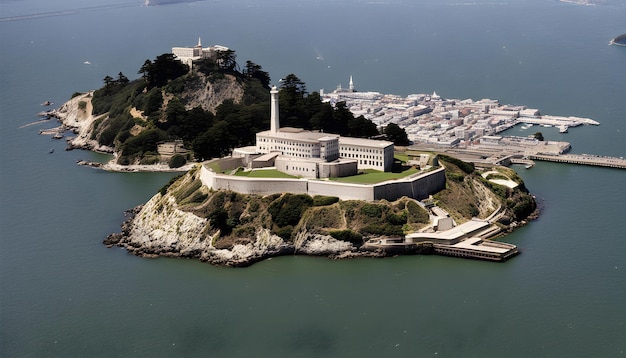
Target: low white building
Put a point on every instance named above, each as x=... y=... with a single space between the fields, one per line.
x=187 y=55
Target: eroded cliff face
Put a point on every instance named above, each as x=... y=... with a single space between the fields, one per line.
x=209 y=94
x=161 y=228
x=77 y=115
x=199 y=90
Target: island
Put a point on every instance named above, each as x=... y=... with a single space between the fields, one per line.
x=276 y=170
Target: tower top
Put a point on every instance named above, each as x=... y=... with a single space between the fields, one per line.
x=351 y=84
x=199 y=43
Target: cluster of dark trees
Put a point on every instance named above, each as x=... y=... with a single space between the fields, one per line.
x=232 y=125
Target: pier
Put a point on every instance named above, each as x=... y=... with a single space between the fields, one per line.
x=583 y=159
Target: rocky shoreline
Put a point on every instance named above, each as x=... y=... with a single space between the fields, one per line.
x=266 y=246
x=80 y=123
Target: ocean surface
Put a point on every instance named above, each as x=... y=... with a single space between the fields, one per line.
x=64 y=294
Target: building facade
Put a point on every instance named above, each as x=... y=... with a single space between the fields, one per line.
x=317 y=154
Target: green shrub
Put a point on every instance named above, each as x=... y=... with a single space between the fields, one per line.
x=165 y=187
x=464 y=166
x=457 y=177
x=397 y=219
x=416 y=214
x=347 y=235
x=288 y=209
x=372 y=210
x=150 y=160
x=177 y=161
x=284 y=232
x=321 y=200
x=82 y=105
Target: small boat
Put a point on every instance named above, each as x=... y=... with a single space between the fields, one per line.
x=51 y=151
x=87 y=63
x=58 y=136
x=46 y=103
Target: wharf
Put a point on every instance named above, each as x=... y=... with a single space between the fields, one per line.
x=583 y=159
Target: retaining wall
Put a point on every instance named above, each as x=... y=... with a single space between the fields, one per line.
x=417 y=186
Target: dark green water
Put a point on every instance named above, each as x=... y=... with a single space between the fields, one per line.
x=62 y=293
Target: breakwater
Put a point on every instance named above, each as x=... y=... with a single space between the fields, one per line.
x=583 y=159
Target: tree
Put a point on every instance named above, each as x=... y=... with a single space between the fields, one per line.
x=108 y=80
x=538 y=136
x=253 y=70
x=227 y=60
x=396 y=134
x=145 y=69
x=292 y=84
x=121 y=79
x=164 y=68
x=362 y=127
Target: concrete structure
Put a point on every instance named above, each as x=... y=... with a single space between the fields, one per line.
x=320 y=155
x=168 y=149
x=465 y=240
x=417 y=186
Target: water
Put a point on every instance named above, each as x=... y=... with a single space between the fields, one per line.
x=62 y=293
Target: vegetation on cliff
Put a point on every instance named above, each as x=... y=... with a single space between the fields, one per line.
x=187 y=219
x=468 y=194
x=235 y=218
x=212 y=108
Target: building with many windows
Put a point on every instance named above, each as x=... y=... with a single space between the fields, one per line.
x=316 y=154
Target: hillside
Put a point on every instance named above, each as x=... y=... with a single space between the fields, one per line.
x=185 y=219
x=208 y=110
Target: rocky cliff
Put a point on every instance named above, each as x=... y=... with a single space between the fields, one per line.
x=185 y=219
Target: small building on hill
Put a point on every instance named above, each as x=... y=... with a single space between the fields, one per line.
x=187 y=55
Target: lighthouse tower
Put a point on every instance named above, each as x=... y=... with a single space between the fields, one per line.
x=351 y=85
x=274 y=120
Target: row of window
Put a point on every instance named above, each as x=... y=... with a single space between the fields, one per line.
x=370 y=162
x=363 y=156
x=298 y=169
x=358 y=149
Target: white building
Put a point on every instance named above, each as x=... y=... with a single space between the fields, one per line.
x=189 y=54
x=317 y=154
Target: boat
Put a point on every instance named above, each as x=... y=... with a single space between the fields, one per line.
x=618 y=40
x=563 y=129
x=87 y=63
x=51 y=151
x=46 y=103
